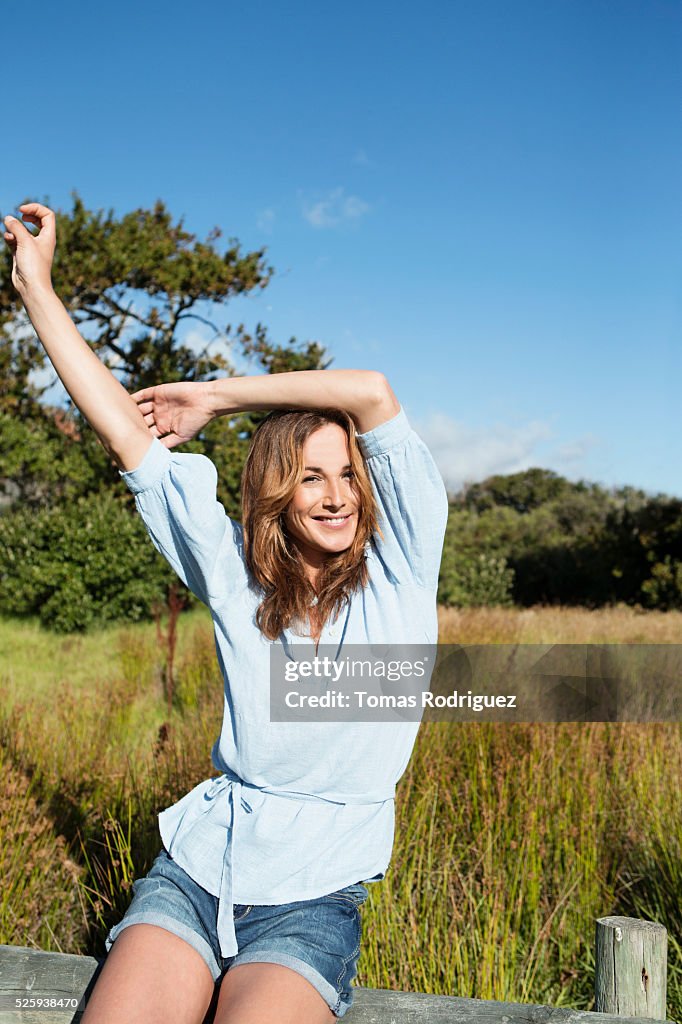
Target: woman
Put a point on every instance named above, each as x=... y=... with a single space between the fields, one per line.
x=257 y=882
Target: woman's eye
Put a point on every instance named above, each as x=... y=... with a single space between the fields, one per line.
x=308 y=479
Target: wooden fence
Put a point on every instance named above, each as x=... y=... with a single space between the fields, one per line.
x=630 y=985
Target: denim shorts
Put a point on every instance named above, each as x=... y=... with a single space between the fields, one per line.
x=318 y=938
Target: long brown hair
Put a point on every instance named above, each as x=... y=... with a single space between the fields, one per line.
x=274 y=467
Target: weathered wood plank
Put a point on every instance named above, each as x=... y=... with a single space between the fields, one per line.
x=380 y=1006
x=27 y=974
x=631 y=967
x=31 y=973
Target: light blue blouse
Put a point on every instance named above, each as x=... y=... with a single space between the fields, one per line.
x=300 y=809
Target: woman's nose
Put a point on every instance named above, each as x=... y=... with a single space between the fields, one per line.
x=334 y=494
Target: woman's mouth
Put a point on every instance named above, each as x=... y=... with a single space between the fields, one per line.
x=333 y=522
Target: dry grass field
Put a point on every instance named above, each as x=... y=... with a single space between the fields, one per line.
x=510 y=839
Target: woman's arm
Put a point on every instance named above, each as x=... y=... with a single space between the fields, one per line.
x=177 y=412
x=106 y=405
x=364 y=394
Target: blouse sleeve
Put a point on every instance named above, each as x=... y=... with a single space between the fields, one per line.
x=412 y=501
x=175 y=493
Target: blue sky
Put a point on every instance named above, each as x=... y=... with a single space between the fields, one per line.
x=481 y=199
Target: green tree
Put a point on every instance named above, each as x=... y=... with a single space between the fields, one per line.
x=133 y=284
x=564 y=543
x=522 y=491
x=645 y=534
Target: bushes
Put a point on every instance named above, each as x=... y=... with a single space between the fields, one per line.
x=567 y=544
x=475 y=582
x=663 y=589
x=79 y=563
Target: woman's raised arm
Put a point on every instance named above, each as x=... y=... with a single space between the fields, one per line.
x=177 y=412
x=364 y=394
x=106 y=405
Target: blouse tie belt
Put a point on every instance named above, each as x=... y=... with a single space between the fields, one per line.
x=241 y=797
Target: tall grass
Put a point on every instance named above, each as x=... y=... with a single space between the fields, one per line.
x=510 y=839
x=40 y=898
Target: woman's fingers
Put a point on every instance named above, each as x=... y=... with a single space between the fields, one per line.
x=146 y=407
x=33 y=213
x=36 y=209
x=16 y=229
x=43 y=216
x=143 y=395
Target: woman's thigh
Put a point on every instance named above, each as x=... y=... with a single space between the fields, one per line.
x=260 y=993
x=306 y=954
x=150 y=976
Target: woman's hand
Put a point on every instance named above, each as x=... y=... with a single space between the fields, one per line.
x=32 y=254
x=176 y=412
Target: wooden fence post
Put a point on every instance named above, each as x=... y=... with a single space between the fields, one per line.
x=631 y=968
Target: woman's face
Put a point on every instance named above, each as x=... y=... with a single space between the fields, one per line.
x=322 y=516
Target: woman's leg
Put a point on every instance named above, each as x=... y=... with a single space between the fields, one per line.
x=262 y=993
x=150 y=977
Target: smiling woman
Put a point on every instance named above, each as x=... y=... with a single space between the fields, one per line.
x=261 y=878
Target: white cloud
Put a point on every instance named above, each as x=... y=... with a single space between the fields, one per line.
x=266 y=220
x=362 y=160
x=467 y=455
x=333 y=209
x=574 y=452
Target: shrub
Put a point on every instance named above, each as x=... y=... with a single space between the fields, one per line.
x=663 y=590
x=80 y=563
x=479 y=580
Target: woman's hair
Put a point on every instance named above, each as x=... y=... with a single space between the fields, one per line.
x=273 y=470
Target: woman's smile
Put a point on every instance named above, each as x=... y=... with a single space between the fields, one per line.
x=334 y=522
